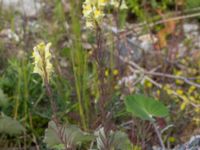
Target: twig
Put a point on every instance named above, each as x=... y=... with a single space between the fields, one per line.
x=142 y=71
x=159 y=135
x=116 y=31
x=185 y=79
x=166 y=128
x=171 y=19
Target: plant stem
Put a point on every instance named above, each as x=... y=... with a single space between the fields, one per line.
x=54 y=117
x=79 y=65
x=159 y=135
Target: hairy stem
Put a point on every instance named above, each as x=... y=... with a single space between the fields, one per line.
x=159 y=135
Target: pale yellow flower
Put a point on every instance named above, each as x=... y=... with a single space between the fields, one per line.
x=103 y=2
x=115 y=3
x=93 y=12
x=89 y=24
x=98 y=14
x=87 y=9
x=42 y=58
x=123 y=5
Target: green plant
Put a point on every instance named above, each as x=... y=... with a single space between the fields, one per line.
x=192 y=4
x=79 y=60
x=112 y=140
x=72 y=136
x=10 y=126
x=146 y=108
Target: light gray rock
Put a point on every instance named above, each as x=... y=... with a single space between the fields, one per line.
x=8 y=34
x=192 y=144
x=25 y=7
x=190 y=27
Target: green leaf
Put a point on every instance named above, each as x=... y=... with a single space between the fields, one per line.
x=59 y=147
x=10 y=126
x=145 y=107
x=71 y=134
x=154 y=4
x=3 y=99
x=114 y=140
x=121 y=141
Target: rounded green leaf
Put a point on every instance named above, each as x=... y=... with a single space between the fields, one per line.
x=70 y=133
x=10 y=126
x=145 y=107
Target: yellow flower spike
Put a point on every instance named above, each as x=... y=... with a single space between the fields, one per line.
x=114 y=3
x=98 y=14
x=123 y=5
x=93 y=12
x=103 y=2
x=87 y=10
x=89 y=24
x=42 y=65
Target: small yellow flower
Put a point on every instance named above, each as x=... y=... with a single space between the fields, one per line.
x=107 y=73
x=115 y=72
x=98 y=14
x=158 y=92
x=102 y=2
x=115 y=3
x=93 y=12
x=89 y=24
x=148 y=84
x=179 y=82
x=123 y=5
x=196 y=120
x=191 y=89
x=183 y=105
x=179 y=92
x=172 y=139
x=87 y=10
x=197 y=110
x=42 y=64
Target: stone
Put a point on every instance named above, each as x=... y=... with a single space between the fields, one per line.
x=8 y=34
x=28 y=8
x=190 y=27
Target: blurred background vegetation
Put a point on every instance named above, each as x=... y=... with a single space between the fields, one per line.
x=172 y=68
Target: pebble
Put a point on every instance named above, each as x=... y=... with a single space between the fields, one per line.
x=190 y=27
x=9 y=35
x=192 y=144
x=29 y=8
